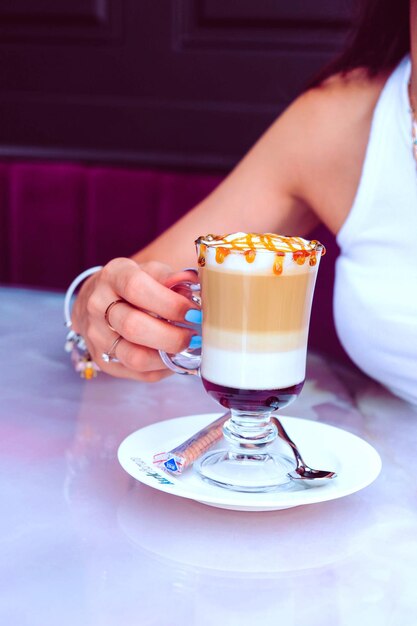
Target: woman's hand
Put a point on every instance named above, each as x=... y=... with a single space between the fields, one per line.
x=146 y=294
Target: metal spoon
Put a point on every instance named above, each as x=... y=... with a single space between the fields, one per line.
x=302 y=470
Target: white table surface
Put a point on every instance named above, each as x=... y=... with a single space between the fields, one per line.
x=82 y=543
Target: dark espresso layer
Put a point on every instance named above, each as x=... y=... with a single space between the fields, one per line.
x=246 y=302
x=250 y=399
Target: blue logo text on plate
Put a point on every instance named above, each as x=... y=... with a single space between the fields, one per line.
x=171 y=465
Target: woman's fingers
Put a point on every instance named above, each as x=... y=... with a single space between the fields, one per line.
x=143 y=291
x=146 y=297
x=143 y=329
x=133 y=361
x=120 y=371
x=138 y=358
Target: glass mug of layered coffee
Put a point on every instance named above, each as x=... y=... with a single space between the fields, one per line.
x=256 y=296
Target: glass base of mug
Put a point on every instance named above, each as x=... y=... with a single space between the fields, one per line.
x=243 y=472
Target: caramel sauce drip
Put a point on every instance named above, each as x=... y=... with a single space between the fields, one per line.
x=268 y=243
x=317 y=243
x=221 y=254
x=202 y=256
x=278 y=263
x=300 y=256
x=250 y=255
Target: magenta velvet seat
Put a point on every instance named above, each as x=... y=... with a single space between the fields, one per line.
x=58 y=218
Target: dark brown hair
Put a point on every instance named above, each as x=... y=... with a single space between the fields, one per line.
x=379 y=38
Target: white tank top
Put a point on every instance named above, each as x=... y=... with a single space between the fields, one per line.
x=375 y=298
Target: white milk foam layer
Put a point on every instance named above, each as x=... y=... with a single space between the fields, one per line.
x=250 y=370
x=264 y=260
x=262 y=264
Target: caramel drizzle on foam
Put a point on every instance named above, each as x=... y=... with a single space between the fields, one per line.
x=249 y=244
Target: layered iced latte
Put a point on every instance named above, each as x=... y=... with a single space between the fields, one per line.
x=257 y=293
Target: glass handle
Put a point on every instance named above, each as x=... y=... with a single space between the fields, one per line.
x=189 y=360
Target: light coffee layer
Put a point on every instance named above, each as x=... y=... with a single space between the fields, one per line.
x=247 y=302
x=257 y=342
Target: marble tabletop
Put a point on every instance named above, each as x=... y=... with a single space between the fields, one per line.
x=84 y=543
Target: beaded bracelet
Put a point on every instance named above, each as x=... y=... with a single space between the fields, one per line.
x=75 y=344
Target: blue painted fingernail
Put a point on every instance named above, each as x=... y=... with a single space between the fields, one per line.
x=194 y=316
x=195 y=342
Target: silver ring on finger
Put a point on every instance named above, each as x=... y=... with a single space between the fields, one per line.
x=110 y=355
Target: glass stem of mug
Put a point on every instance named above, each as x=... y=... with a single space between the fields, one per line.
x=249 y=432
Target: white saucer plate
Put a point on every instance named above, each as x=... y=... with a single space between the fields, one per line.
x=356 y=462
